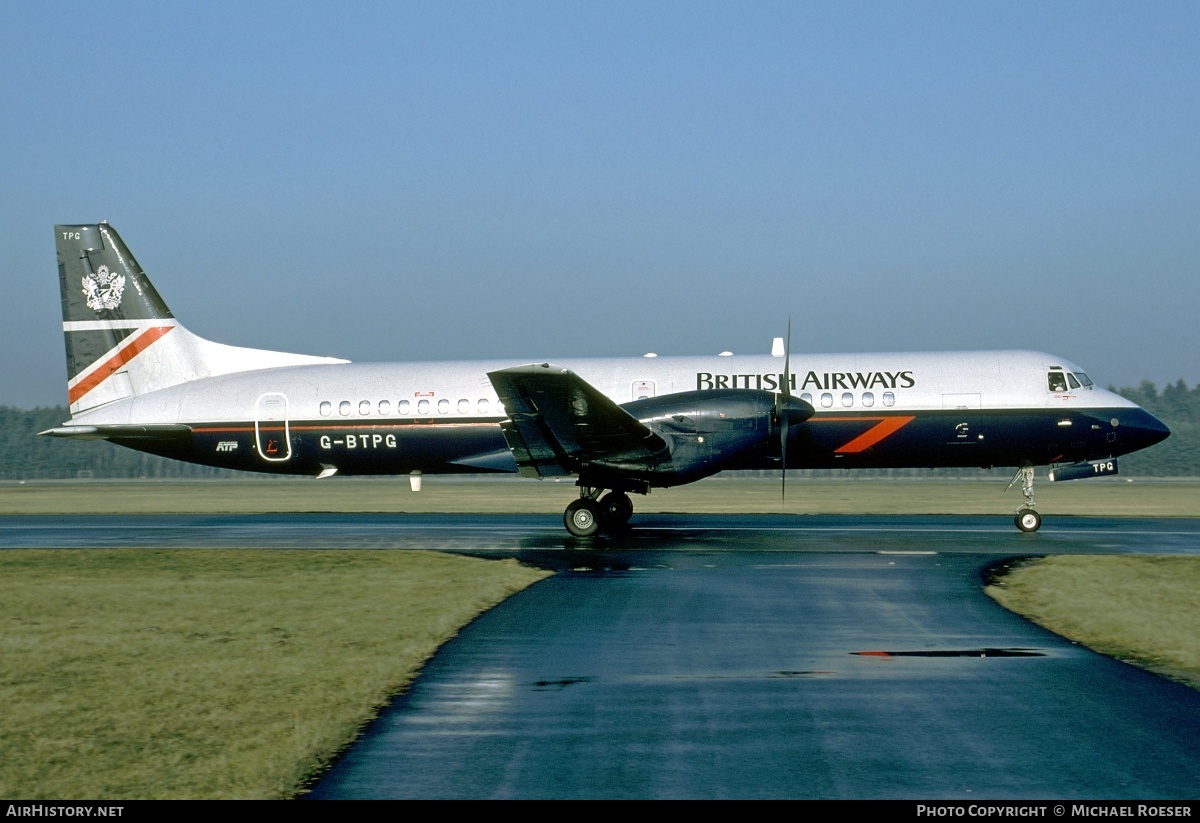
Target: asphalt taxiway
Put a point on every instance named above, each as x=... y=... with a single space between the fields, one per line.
x=743 y=657
x=543 y=536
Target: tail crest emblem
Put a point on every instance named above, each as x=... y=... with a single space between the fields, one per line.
x=103 y=290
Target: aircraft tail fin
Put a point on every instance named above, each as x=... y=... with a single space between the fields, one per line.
x=121 y=338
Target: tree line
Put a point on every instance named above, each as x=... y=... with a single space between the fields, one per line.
x=25 y=456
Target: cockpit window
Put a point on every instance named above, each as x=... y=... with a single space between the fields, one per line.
x=1057 y=382
x=1071 y=379
x=1084 y=379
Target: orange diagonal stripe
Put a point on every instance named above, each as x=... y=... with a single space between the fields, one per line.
x=885 y=427
x=137 y=344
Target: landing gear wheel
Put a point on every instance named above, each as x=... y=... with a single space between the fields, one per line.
x=1028 y=520
x=616 y=508
x=582 y=517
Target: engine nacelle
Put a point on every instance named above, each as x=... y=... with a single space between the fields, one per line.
x=710 y=431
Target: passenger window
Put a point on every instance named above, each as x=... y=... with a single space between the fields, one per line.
x=326 y=408
x=847 y=398
x=364 y=407
x=422 y=407
x=443 y=406
x=826 y=399
x=464 y=406
x=402 y=407
x=385 y=407
x=889 y=399
x=483 y=406
x=344 y=408
x=868 y=399
x=806 y=397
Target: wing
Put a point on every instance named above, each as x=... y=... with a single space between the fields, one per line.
x=558 y=424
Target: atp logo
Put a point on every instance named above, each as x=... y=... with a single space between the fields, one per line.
x=104 y=289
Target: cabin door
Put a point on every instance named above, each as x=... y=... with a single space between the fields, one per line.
x=272 y=436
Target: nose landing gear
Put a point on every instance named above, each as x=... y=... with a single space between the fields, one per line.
x=1027 y=519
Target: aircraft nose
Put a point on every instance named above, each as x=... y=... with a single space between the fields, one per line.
x=1139 y=429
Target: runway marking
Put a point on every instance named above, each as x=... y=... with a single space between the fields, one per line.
x=870 y=529
x=987 y=652
x=922 y=530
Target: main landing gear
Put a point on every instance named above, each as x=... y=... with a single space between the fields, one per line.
x=1027 y=519
x=592 y=512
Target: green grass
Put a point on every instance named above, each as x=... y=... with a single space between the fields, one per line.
x=213 y=673
x=1141 y=609
x=1103 y=498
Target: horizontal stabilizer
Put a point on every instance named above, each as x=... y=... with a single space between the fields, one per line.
x=166 y=431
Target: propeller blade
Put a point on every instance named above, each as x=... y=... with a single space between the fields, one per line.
x=784 y=417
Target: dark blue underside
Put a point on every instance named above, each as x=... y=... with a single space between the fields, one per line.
x=965 y=438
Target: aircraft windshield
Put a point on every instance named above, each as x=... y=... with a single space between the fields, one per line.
x=1059 y=381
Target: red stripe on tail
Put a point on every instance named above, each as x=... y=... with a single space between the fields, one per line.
x=132 y=347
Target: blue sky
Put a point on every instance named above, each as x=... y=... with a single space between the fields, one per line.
x=449 y=180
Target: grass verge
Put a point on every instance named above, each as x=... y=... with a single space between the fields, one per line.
x=1120 y=497
x=1140 y=609
x=213 y=673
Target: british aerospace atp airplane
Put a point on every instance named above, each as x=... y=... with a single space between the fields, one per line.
x=138 y=378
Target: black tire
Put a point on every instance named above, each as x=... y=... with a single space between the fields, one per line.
x=1028 y=520
x=616 y=508
x=582 y=518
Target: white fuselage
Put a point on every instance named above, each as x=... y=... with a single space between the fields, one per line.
x=446 y=391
